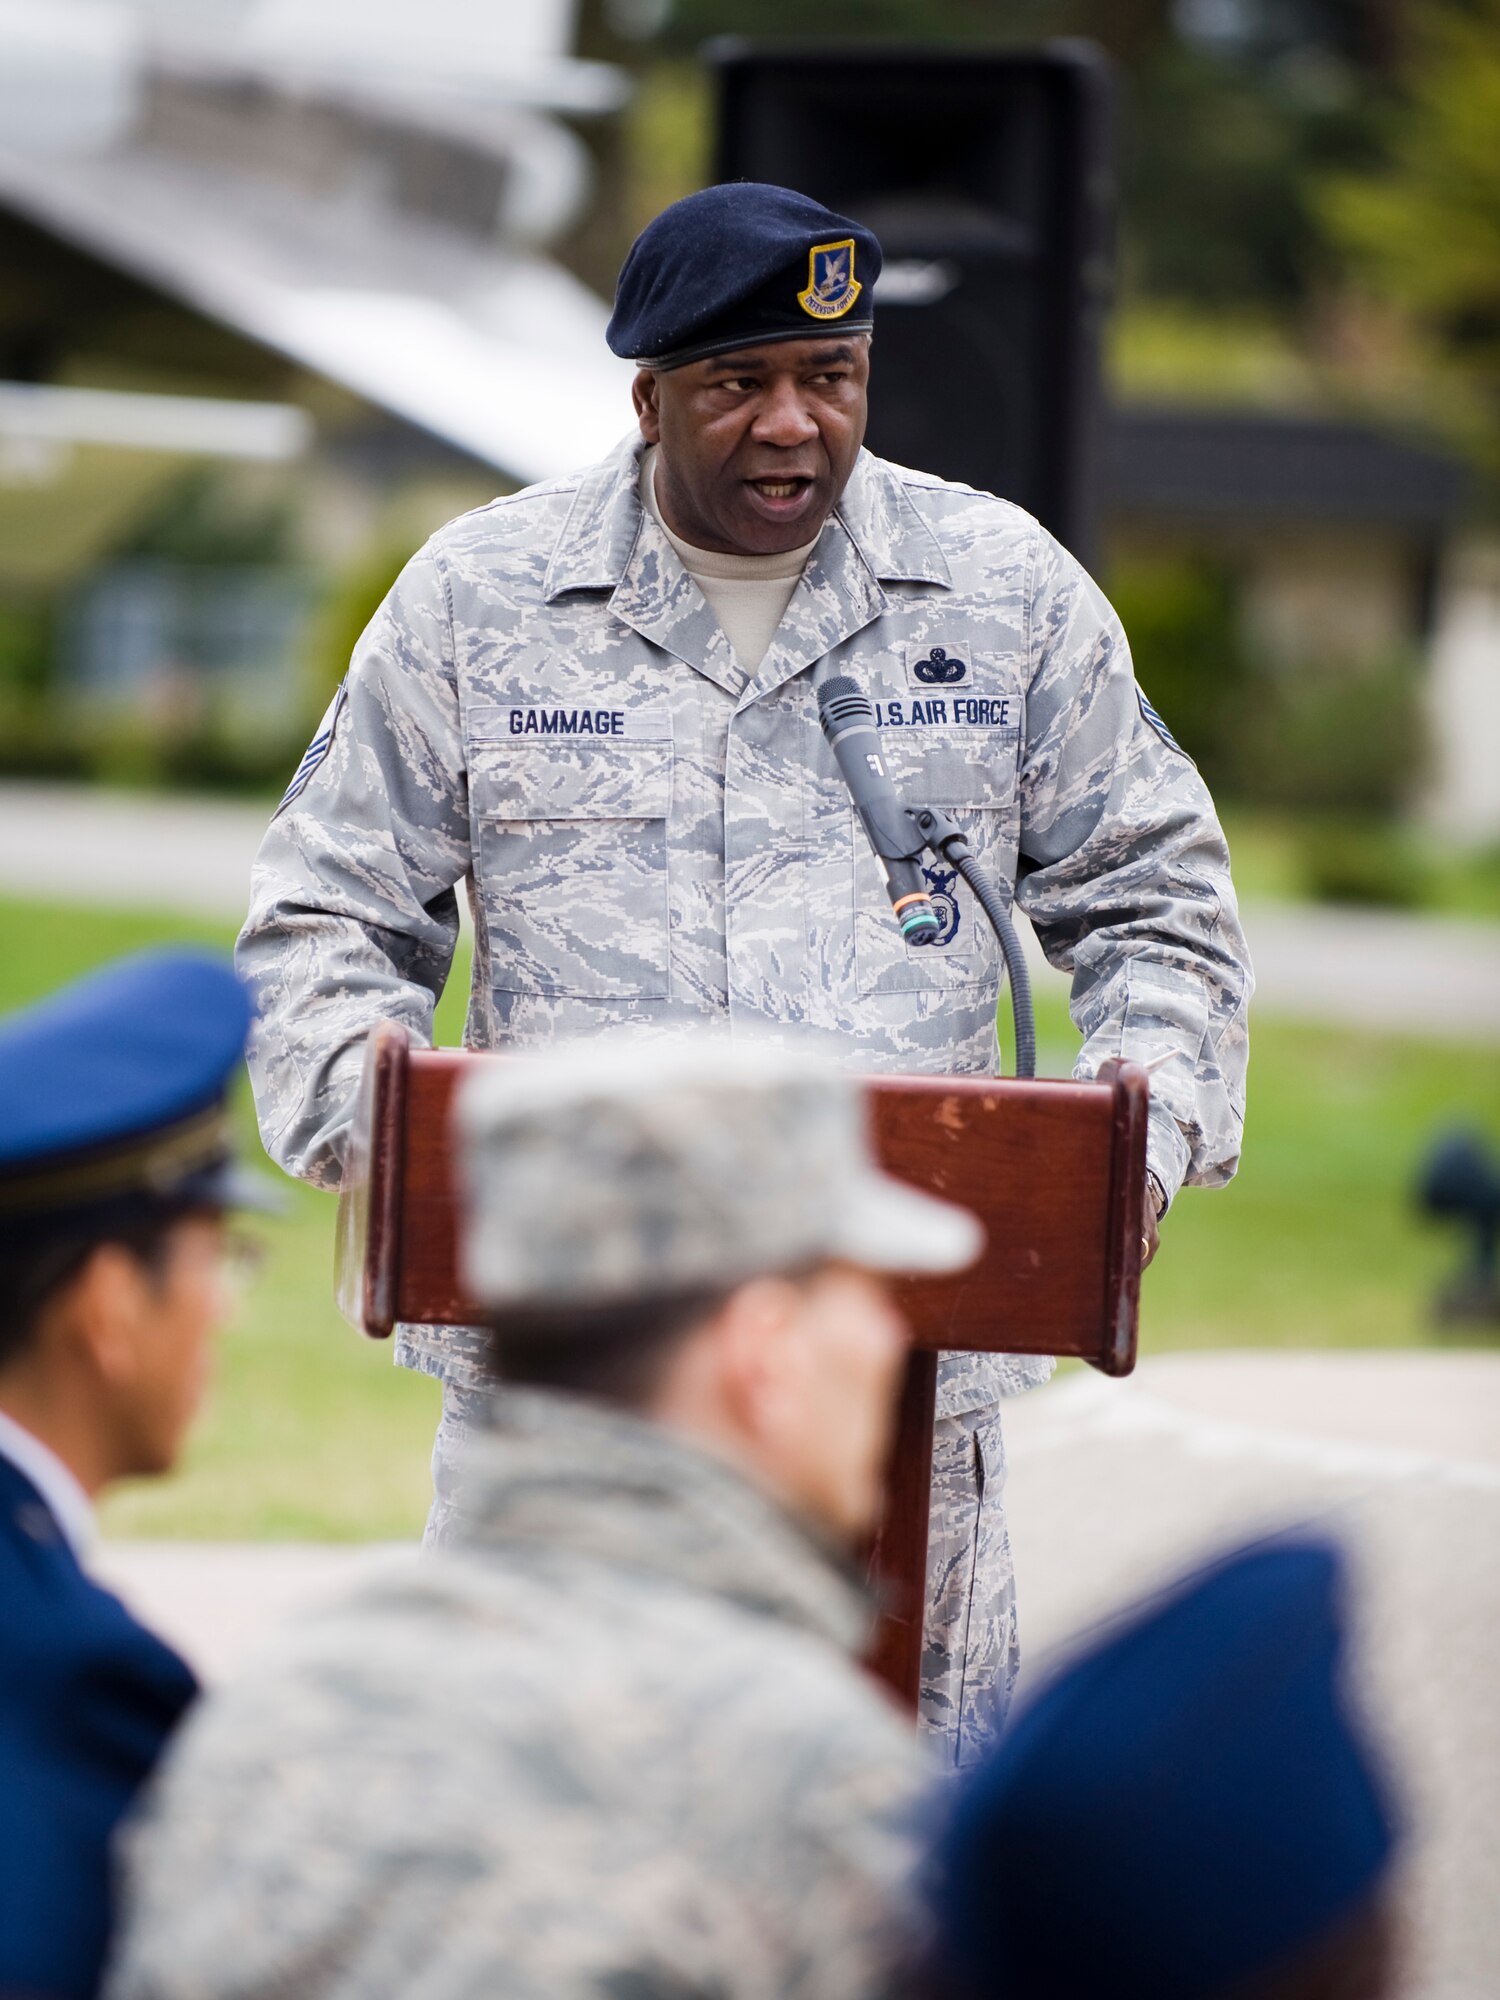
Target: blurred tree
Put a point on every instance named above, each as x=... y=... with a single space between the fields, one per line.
x=1183 y=617
x=1338 y=737
x=1219 y=152
x=1424 y=233
x=25 y=651
x=1342 y=737
x=354 y=594
x=1232 y=111
x=1233 y=116
x=1127 y=28
x=689 y=23
x=669 y=142
x=221 y=518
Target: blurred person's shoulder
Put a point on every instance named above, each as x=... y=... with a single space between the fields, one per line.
x=786 y=1750
x=769 y=1689
x=515 y=1709
x=59 y=1626
x=503 y=1689
x=814 y=1749
x=429 y=1652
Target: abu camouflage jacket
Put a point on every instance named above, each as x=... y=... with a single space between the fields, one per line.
x=546 y=711
x=615 y=1743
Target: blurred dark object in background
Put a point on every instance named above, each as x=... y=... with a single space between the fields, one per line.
x=988 y=177
x=1461 y=1182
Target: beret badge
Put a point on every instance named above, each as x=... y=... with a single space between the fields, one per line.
x=831 y=284
x=737 y=264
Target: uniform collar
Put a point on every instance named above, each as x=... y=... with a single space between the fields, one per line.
x=895 y=544
x=56 y=1485
x=604 y=523
x=874 y=536
x=558 y=1472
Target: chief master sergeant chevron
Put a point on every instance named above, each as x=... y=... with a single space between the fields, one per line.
x=591 y=705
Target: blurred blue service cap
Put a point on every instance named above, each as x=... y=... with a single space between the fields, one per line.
x=1182 y=1808
x=114 y=1091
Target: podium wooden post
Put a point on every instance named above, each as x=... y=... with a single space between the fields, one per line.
x=1056 y=1171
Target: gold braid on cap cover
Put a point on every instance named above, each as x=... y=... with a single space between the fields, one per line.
x=153 y=1163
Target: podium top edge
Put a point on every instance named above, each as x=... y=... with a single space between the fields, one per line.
x=894 y=1083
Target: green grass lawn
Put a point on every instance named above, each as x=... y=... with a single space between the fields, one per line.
x=312 y=1433
x=1272 y=852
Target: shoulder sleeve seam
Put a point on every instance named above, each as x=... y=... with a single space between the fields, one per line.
x=1030 y=634
x=540 y=495
x=452 y=638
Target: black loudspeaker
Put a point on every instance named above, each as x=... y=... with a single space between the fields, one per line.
x=989 y=179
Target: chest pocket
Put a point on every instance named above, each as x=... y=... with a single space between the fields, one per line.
x=974 y=780
x=571 y=839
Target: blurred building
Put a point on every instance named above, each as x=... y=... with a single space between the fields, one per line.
x=252 y=232
x=362 y=189
x=1349 y=543
x=328 y=248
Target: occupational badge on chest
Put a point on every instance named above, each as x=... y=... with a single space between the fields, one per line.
x=941 y=665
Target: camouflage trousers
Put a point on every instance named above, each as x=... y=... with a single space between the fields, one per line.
x=970 y=1651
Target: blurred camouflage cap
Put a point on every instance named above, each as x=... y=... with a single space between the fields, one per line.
x=607 y=1172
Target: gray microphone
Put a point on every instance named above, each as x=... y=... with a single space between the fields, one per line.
x=848 y=718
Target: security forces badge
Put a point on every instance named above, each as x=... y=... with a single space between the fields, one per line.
x=831 y=284
x=940 y=883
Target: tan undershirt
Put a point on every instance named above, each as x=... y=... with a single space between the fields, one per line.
x=747 y=594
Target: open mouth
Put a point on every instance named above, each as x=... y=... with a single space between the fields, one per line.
x=780 y=489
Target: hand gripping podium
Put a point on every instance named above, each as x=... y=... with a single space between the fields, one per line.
x=1056 y=1171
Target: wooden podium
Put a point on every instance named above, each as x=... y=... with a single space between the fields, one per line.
x=1056 y=1171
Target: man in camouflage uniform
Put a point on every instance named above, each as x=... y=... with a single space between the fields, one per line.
x=591 y=705
x=612 y=1740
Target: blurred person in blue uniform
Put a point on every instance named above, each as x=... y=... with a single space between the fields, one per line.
x=115 y=1175
x=1189 y=1812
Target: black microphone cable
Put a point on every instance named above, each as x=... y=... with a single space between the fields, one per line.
x=945 y=838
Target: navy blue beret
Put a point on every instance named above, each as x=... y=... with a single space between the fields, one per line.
x=114 y=1089
x=739 y=263
x=1182 y=1808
